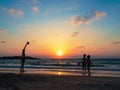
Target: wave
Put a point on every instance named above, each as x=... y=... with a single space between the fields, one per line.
x=62 y=64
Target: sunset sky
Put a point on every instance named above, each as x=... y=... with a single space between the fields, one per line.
x=66 y=27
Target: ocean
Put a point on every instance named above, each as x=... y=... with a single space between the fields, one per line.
x=63 y=65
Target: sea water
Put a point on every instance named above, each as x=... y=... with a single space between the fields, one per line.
x=63 y=65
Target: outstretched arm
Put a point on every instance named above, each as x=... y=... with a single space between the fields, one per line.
x=26 y=45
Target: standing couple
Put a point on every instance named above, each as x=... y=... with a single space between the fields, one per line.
x=86 y=63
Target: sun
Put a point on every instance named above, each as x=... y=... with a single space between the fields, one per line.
x=59 y=53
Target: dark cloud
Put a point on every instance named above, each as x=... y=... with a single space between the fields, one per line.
x=3 y=41
x=74 y=34
x=78 y=20
x=56 y=35
x=117 y=42
x=81 y=47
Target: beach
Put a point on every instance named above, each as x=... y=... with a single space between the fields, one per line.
x=10 y=81
x=105 y=75
x=59 y=45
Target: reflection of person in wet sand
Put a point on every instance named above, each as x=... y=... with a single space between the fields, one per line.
x=84 y=64
x=88 y=63
x=23 y=58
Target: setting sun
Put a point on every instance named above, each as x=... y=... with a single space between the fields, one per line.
x=59 y=53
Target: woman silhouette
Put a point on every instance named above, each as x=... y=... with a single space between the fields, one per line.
x=88 y=63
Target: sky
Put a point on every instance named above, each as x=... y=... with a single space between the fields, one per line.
x=66 y=27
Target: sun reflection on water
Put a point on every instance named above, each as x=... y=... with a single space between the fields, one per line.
x=59 y=73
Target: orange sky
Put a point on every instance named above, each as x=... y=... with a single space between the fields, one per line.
x=73 y=27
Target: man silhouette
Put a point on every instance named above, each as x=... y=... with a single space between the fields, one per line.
x=84 y=64
x=23 y=58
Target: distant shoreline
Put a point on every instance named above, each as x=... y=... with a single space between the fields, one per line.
x=64 y=58
x=17 y=57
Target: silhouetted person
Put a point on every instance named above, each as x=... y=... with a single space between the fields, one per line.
x=88 y=63
x=84 y=64
x=23 y=58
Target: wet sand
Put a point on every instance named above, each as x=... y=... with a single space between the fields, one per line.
x=10 y=81
x=61 y=72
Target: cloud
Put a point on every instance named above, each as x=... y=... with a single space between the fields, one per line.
x=117 y=42
x=2 y=31
x=15 y=12
x=74 y=34
x=98 y=14
x=78 y=20
x=35 y=9
x=81 y=47
x=3 y=41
